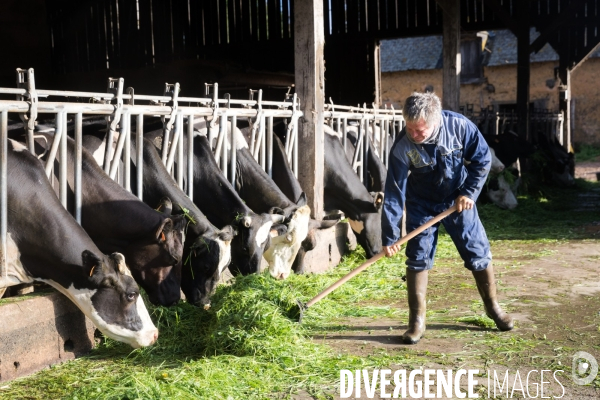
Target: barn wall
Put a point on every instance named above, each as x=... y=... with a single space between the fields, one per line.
x=397 y=86
x=586 y=102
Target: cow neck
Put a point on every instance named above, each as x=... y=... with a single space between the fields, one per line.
x=111 y=211
x=341 y=182
x=283 y=176
x=213 y=194
x=42 y=238
x=255 y=187
x=158 y=183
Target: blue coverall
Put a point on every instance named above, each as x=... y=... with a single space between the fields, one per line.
x=437 y=176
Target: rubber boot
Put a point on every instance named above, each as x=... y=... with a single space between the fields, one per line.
x=416 y=284
x=486 y=284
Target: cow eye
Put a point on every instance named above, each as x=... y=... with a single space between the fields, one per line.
x=131 y=296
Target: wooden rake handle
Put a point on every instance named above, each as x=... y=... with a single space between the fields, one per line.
x=376 y=257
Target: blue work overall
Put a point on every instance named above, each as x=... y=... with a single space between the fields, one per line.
x=438 y=175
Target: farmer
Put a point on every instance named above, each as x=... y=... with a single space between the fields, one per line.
x=434 y=147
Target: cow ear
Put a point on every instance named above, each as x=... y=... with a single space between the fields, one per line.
x=165 y=207
x=377 y=199
x=91 y=262
x=276 y=210
x=165 y=227
x=121 y=267
x=301 y=200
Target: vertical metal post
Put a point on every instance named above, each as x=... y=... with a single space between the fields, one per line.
x=345 y=134
x=62 y=171
x=77 y=166
x=54 y=149
x=127 y=153
x=263 y=146
x=295 y=155
x=173 y=148
x=224 y=165
x=180 y=152
x=270 y=147
x=139 y=160
x=233 y=150
x=3 y=191
x=190 y=157
x=119 y=150
x=365 y=161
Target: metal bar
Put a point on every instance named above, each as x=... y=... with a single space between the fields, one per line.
x=180 y=152
x=117 y=156
x=263 y=142
x=345 y=133
x=270 y=147
x=139 y=149
x=62 y=166
x=190 y=157
x=165 y=146
x=127 y=154
x=295 y=155
x=54 y=149
x=77 y=166
x=220 y=138
x=233 y=150
x=3 y=192
x=171 y=156
x=224 y=165
x=108 y=150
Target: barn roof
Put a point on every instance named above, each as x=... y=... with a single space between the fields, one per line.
x=425 y=52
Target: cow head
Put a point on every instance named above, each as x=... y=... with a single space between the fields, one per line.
x=108 y=295
x=249 y=244
x=206 y=260
x=285 y=245
x=500 y=192
x=497 y=165
x=366 y=225
x=155 y=260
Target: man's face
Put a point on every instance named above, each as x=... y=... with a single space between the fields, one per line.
x=419 y=131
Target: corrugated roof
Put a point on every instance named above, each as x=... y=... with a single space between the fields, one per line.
x=425 y=52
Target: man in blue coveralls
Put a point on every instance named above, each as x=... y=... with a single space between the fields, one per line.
x=434 y=146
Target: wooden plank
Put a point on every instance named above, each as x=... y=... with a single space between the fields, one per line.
x=309 y=41
x=451 y=54
x=523 y=71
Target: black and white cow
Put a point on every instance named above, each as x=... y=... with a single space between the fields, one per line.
x=46 y=244
x=559 y=165
x=344 y=191
x=116 y=220
x=376 y=168
x=207 y=250
x=217 y=199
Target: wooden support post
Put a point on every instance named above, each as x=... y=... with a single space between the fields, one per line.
x=451 y=54
x=309 y=63
x=564 y=104
x=523 y=51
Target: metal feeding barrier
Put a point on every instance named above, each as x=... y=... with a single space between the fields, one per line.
x=375 y=128
x=119 y=106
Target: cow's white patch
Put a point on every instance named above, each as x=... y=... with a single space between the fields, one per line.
x=99 y=153
x=224 y=255
x=329 y=131
x=83 y=300
x=504 y=196
x=240 y=140
x=19 y=147
x=16 y=273
x=357 y=226
x=283 y=249
x=263 y=233
x=497 y=165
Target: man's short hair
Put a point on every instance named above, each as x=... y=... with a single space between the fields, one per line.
x=426 y=106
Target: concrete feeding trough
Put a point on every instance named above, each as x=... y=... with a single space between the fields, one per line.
x=38 y=331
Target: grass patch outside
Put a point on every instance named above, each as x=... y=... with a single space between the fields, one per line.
x=586 y=152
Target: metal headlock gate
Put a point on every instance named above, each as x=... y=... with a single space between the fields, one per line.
x=119 y=106
x=375 y=127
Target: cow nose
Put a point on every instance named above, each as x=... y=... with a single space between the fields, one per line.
x=281 y=276
x=154 y=337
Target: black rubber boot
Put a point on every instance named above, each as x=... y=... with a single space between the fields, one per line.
x=416 y=284
x=486 y=284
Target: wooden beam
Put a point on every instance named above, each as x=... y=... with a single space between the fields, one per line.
x=523 y=72
x=451 y=54
x=309 y=41
x=377 y=70
x=504 y=16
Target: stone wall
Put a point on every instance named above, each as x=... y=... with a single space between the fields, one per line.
x=500 y=87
